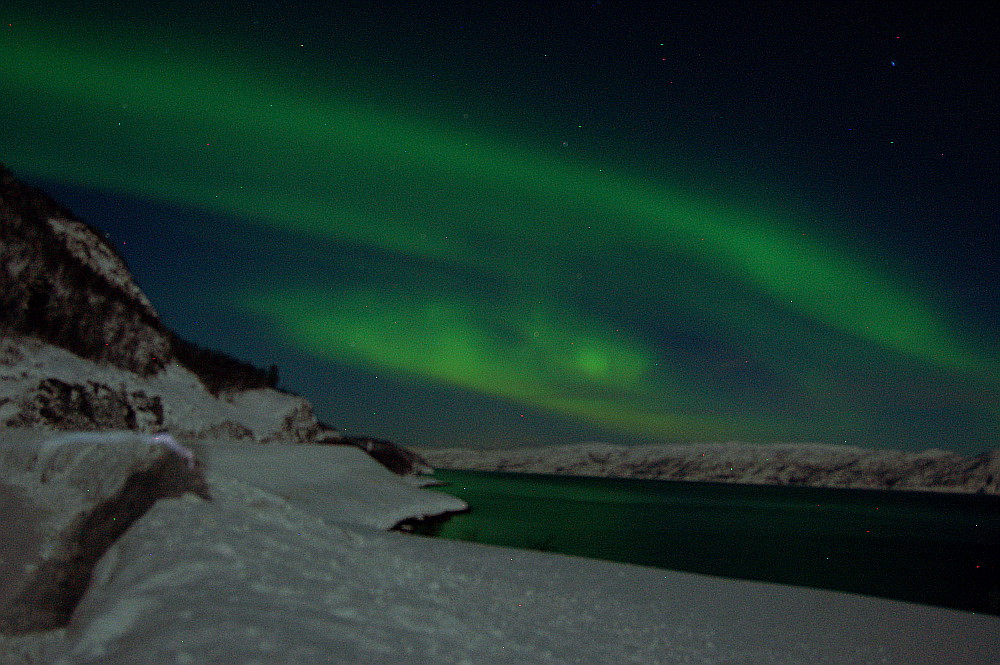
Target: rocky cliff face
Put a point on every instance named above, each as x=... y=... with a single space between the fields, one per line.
x=62 y=282
x=83 y=348
x=816 y=465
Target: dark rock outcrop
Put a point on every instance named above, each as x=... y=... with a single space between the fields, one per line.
x=395 y=458
x=89 y=406
x=62 y=282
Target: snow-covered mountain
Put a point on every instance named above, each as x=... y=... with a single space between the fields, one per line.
x=83 y=348
x=806 y=464
x=63 y=283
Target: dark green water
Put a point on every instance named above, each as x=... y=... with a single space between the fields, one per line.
x=937 y=549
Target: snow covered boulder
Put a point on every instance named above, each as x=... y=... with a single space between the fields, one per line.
x=65 y=498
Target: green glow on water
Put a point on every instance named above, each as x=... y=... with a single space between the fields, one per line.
x=941 y=549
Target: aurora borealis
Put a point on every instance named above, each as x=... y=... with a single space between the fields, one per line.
x=446 y=249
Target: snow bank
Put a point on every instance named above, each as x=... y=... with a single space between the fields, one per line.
x=289 y=563
x=336 y=483
x=251 y=578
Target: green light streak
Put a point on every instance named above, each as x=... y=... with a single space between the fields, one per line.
x=196 y=129
x=258 y=122
x=553 y=362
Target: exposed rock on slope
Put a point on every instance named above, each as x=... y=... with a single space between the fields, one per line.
x=395 y=458
x=87 y=406
x=44 y=386
x=62 y=282
x=778 y=464
x=82 y=347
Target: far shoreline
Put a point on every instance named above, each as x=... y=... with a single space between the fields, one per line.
x=781 y=464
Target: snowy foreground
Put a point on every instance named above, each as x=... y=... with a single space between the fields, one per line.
x=290 y=562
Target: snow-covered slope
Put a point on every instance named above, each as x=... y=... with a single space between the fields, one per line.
x=336 y=483
x=45 y=386
x=63 y=282
x=277 y=575
x=812 y=464
x=65 y=498
x=82 y=347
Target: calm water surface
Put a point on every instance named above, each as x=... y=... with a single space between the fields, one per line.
x=938 y=549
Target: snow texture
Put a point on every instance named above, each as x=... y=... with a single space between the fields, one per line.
x=335 y=483
x=88 y=438
x=284 y=565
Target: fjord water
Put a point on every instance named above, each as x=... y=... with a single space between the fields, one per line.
x=933 y=548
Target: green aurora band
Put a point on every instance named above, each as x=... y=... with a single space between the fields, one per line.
x=519 y=248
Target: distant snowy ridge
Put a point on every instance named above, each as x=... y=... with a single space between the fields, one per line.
x=808 y=464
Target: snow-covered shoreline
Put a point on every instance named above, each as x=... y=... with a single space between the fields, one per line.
x=289 y=562
x=806 y=464
x=285 y=557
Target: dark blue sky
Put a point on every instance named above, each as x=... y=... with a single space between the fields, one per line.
x=503 y=224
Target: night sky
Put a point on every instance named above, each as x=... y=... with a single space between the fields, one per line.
x=502 y=224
